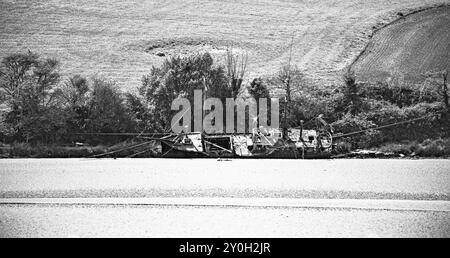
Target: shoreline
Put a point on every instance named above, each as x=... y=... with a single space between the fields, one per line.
x=348 y=156
x=438 y=148
x=88 y=153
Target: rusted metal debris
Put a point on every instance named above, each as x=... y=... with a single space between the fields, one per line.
x=261 y=143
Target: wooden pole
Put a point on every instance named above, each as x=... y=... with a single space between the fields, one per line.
x=445 y=90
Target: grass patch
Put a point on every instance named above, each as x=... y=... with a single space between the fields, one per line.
x=23 y=150
x=428 y=148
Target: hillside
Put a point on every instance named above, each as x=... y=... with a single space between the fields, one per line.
x=122 y=39
x=409 y=48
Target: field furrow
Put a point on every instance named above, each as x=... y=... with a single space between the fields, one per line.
x=95 y=37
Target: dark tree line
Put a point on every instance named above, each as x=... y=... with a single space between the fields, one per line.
x=39 y=106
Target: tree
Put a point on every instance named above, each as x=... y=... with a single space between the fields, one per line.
x=27 y=84
x=74 y=91
x=74 y=98
x=179 y=77
x=351 y=93
x=258 y=89
x=94 y=106
x=106 y=109
x=140 y=113
x=292 y=81
x=15 y=70
x=444 y=88
x=236 y=68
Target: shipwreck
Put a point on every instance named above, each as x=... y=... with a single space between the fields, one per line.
x=289 y=143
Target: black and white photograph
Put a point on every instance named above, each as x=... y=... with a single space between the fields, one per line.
x=224 y=119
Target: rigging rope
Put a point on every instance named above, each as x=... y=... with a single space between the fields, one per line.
x=123 y=149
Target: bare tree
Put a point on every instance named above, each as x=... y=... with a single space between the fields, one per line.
x=14 y=71
x=291 y=78
x=286 y=72
x=236 y=68
x=351 y=93
x=444 y=89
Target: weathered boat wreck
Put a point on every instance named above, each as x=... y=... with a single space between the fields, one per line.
x=292 y=143
x=289 y=143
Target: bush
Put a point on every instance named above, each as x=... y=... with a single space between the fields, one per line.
x=107 y=110
x=399 y=93
x=434 y=148
x=414 y=130
x=258 y=89
x=95 y=106
x=343 y=147
x=406 y=148
x=394 y=103
x=350 y=124
x=351 y=93
x=428 y=148
x=24 y=150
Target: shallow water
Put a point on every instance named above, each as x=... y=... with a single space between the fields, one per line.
x=144 y=221
x=158 y=178
x=374 y=178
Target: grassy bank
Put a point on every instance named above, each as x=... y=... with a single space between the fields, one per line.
x=23 y=150
x=428 y=148
x=437 y=148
